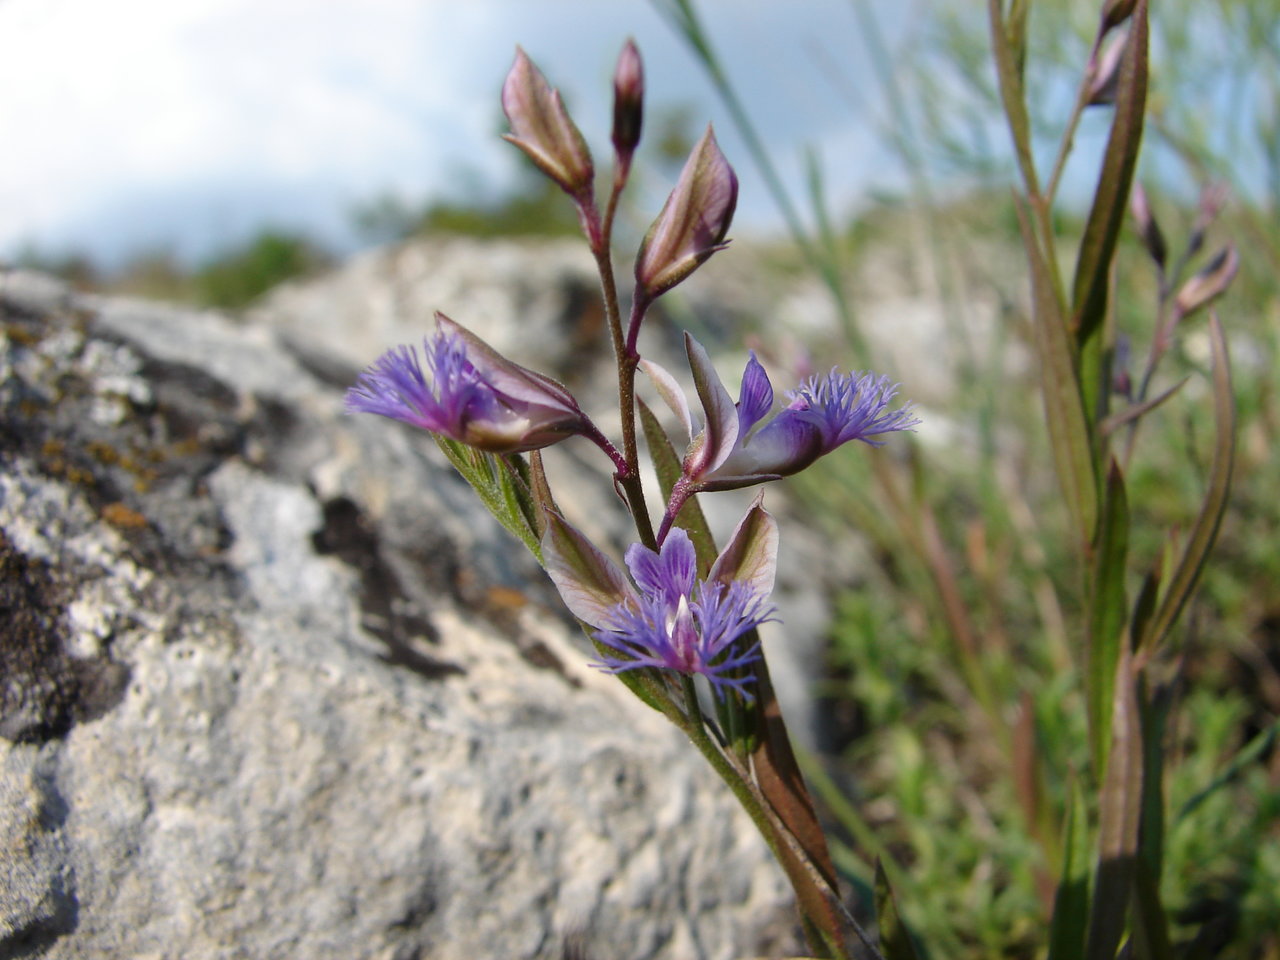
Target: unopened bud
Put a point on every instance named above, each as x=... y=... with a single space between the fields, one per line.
x=542 y=128
x=1104 y=74
x=1209 y=284
x=693 y=222
x=1212 y=199
x=1114 y=13
x=1148 y=228
x=628 y=102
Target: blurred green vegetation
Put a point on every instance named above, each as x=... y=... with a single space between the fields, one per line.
x=229 y=281
x=955 y=695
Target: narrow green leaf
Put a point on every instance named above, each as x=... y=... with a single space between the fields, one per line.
x=1150 y=923
x=1111 y=198
x=1071 y=900
x=1119 y=819
x=1012 y=94
x=1063 y=404
x=667 y=464
x=1107 y=615
x=895 y=939
x=495 y=485
x=1205 y=531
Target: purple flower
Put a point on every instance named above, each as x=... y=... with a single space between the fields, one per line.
x=677 y=622
x=474 y=394
x=733 y=450
x=665 y=617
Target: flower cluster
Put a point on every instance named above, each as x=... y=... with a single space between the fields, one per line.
x=658 y=614
x=665 y=616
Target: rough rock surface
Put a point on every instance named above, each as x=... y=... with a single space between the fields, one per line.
x=272 y=685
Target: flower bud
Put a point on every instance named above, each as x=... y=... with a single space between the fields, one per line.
x=628 y=102
x=1148 y=228
x=1209 y=284
x=1212 y=199
x=542 y=128
x=1114 y=13
x=693 y=222
x=1104 y=74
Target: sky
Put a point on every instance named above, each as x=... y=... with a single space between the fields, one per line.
x=139 y=126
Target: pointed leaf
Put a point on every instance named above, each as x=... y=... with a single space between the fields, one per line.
x=1205 y=531
x=895 y=938
x=1107 y=614
x=1110 y=199
x=1119 y=818
x=778 y=776
x=495 y=487
x=1071 y=900
x=1063 y=403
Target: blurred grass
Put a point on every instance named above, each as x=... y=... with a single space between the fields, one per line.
x=955 y=661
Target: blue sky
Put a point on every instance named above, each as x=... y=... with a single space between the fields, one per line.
x=143 y=125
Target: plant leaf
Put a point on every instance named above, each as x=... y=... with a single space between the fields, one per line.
x=1071 y=900
x=498 y=490
x=778 y=776
x=895 y=938
x=1107 y=615
x=1119 y=819
x=1111 y=198
x=1205 y=531
x=1063 y=403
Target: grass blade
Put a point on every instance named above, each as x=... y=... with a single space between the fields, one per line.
x=1063 y=404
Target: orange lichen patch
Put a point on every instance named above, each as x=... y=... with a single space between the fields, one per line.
x=123 y=517
x=505 y=599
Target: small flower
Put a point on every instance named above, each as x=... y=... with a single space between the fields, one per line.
x=474 y=395
x=693 y=221
x=664 y=616
x=543 y=129
x=823 y=413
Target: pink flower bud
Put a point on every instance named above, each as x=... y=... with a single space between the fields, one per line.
x=1104 y=74
x=693 y=222
x=542 y=128
x=1209 y=284
x=1212 y=199
x=1148 y=228
x=628 y=102
x=1114 y=13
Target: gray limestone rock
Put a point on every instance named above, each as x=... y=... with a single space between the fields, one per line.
x=273 y=685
